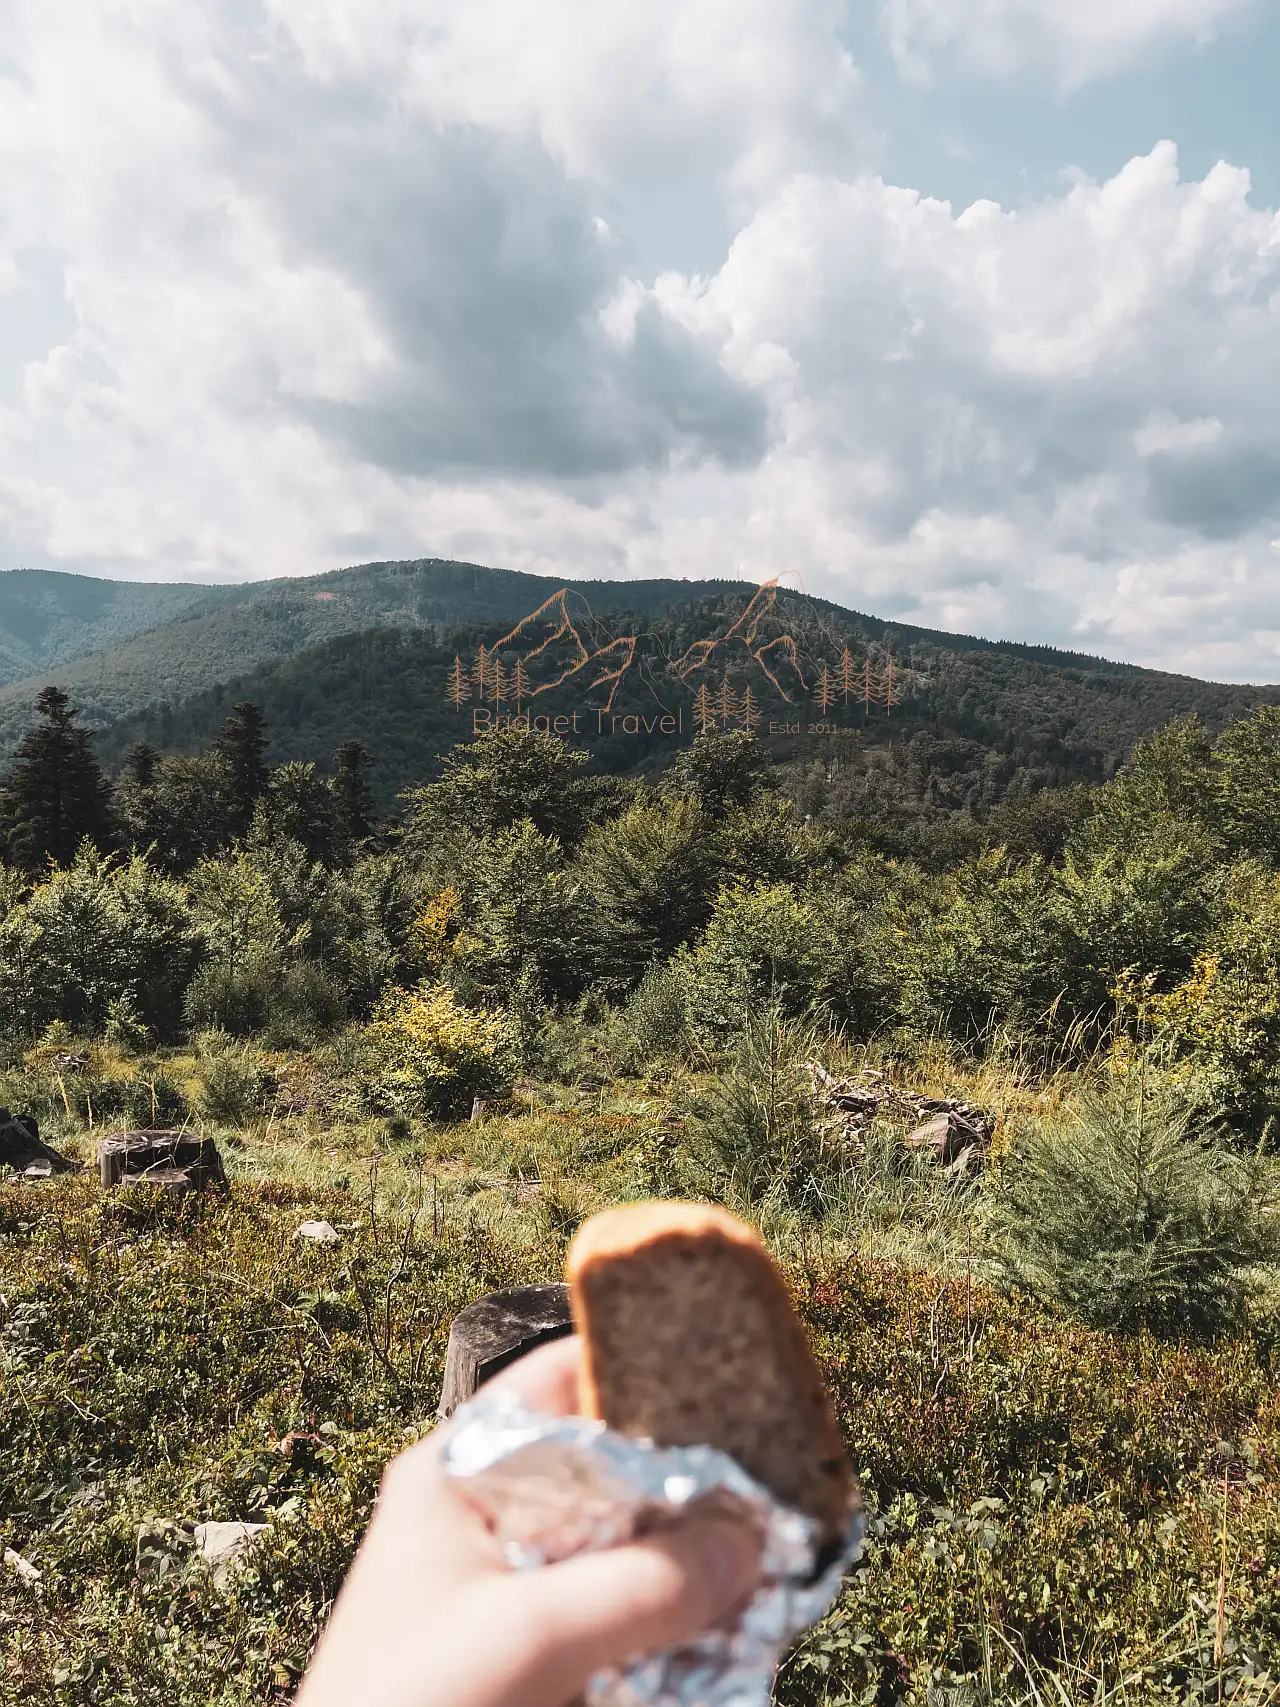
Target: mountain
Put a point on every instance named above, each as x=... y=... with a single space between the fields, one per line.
x=48 y=619
x=867 y=716
x=224 y=631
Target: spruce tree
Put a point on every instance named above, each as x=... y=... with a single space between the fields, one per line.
x=55 y=793
x=239 y=748
x=351 y=793
x=137 y=811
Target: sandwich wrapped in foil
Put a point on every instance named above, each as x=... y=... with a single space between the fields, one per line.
x=551 y=1487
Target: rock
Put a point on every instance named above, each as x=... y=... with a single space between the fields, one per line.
x=40 y=1169
x=21 y=1147
x=182 y=1161
x=318 y=1232
x=20 y=1566
x=479 y=1109
x=495 y=1331
x=947 y=1135
x=223 y=1545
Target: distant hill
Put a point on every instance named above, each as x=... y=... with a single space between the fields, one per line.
x=48 y=618
x=972 y=722
x=222 y=632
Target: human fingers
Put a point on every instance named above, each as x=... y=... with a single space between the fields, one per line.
x=604 y=1608
x=546 y=1379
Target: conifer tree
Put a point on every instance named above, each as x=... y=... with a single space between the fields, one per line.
x=239 y=749
x=480 y=671
x=520 y=684
x=726 y=702
x=824 y=693
x=498 y=682
x=137 y=808
x=848 y=676
x=457 y=688
x=351 y=792
x=704 y=712
x=55 y=793
x=750 y=709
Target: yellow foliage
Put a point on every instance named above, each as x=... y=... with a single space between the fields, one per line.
x=436 y=933
x=428 y=1054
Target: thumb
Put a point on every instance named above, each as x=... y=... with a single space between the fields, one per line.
x=601 y=1609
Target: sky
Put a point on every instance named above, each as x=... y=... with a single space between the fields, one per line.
x=960 y=312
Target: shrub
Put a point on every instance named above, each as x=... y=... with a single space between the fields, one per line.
x=1128 y=1219
x=754 y=1139
x=523 y=910
x=426 y=1054
x=1220 y=1026
x=772 y=942
x=233 y=1082
x=93 y=932
x=648 y=876
x=654 y=1023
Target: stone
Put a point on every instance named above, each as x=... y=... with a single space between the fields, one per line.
x=21 y=1567
x=42 y=1168
x=947 y=1135
x=224 y=1545
x=495 y=1332
x=318 y=1232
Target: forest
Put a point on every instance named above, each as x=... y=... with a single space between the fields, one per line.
x=999 y=1081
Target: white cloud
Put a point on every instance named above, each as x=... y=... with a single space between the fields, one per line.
x=1163 y=431
x=1073 y=40
x=339 y=285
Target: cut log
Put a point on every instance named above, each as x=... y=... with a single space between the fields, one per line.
x=136 y=1158
x=21 y=1147
x=495 y=1331
x=172 y=1179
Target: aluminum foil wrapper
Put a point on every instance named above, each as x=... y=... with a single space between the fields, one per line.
x=551 y=1487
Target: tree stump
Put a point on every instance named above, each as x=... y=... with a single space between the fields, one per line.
x=21 y=1147
x=495 y=1331
x=178 y=1160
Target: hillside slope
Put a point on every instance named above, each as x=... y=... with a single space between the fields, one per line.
x=48 y=619
x=235 y=629
x=971 y=723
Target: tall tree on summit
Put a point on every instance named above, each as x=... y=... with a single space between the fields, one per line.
x=351 y=793
x=239 y=749
x=55 y=793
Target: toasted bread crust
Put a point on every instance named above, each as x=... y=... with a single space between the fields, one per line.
x=690 y=1337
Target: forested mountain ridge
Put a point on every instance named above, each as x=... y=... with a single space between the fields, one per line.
x=228 y=630
x=971 y=724
x=48 y=619
x=121 y=649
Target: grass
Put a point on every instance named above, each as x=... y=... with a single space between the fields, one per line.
x=1059 y=1516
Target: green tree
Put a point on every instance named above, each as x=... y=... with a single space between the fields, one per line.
x=55 y=795
x=1126 y=1217
x=174 y=808
x=524 y=913
x=502 y=778
x=351 y=792
x=239 y=748
x=95 y=933
x=723 y=769
x=1247 y=760
x=647 y=877
x=296 y=805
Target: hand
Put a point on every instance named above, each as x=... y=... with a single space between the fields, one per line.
x=430 y=1615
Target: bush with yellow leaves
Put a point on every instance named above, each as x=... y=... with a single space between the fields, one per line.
x=424 y=1053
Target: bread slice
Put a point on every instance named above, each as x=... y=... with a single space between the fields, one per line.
x=690 y=1338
